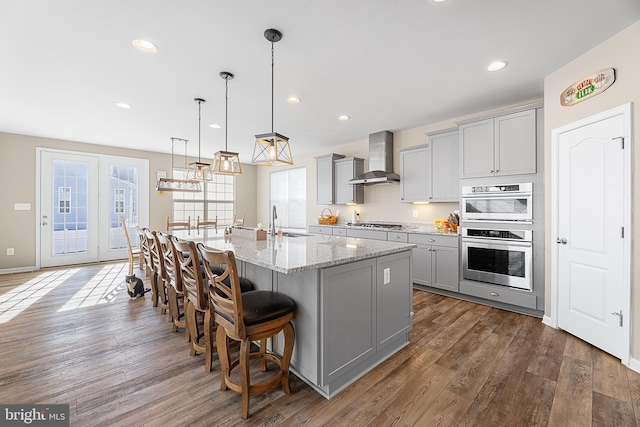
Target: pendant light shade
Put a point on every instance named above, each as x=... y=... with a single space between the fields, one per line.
x=199 y=170
x=272 y=148
x=226 y=162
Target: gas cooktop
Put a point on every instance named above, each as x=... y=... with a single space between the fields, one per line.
x=375 y=225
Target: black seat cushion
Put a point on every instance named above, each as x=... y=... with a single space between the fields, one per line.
x=263 y=306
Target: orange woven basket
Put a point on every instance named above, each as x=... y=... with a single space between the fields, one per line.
x=325 y=219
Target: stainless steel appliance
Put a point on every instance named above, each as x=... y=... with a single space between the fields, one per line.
x=507 y=202
x=501 y=257
x=375 y=225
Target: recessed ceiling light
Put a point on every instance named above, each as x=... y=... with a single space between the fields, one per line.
x=123 y=105
x=344 y=118
x=495 y=66
x=215 y=126
x=293 y=100
x=438 y=1
x=145 y=46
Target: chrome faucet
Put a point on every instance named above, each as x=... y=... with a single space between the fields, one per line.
x=274 y=216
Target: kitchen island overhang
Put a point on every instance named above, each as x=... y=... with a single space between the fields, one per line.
x=353 y=297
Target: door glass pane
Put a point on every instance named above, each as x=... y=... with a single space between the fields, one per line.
x=70 y=207
x=123 y=201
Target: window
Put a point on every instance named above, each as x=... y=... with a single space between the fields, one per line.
x=288 y=193
x=118 y=201
x=214 y=201
x=64 y=200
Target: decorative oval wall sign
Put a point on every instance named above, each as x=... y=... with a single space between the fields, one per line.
x=588 y=87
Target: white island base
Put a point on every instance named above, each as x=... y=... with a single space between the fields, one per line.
x=349 y=317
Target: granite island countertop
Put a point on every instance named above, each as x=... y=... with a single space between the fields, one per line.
x=307 y=252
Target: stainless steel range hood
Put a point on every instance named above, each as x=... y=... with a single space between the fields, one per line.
x=380 y=161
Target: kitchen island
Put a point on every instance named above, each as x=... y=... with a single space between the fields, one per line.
x=353 y=297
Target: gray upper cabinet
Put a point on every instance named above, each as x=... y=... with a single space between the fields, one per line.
x=429 y=173
x=344 y=171
x=445 y=176
x=325 y=177
x=504 y=145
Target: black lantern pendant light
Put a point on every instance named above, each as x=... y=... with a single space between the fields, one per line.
x=199 y=170
x=272 y=148
x=226 y=162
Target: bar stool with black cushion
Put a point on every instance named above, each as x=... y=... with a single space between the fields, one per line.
x=175 y=290
x=247 y=317
x=156 y=261
x=196 y=300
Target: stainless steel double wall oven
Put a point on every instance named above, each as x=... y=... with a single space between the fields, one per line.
x=496 y=246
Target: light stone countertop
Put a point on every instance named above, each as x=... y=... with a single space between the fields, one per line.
x=294 y=254
x=409 y=228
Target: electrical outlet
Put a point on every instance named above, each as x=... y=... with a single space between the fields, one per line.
x=10 y=251
x=387 y=275
x=415 y=213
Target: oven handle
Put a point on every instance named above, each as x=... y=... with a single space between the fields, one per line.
x=497 y=196
x=501 y=242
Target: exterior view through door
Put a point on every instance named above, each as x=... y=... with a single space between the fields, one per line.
x=591 y=248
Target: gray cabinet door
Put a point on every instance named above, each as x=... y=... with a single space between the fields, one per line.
x=367 y=234
x=393 y=298
x=415 y=174
x=324 y=178
x=515 y=143
x=348 y=316
x=445 y=268
x=344 y=171
x=422 y=270
x=445 y=165
x=476 y=148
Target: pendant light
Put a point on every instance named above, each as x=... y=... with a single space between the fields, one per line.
x=173 y=184
x=199 y=170
x=225 y=162
x=272 y=148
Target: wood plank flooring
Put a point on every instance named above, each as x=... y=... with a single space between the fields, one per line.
x=72 y=336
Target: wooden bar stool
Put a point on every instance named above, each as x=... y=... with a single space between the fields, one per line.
x=158 y=274
x=196 y=299
x=246 y=317
x=175 y=290
x=132 y=252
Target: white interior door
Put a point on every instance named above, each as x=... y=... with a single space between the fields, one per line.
x=590 y=251
x=68 y=209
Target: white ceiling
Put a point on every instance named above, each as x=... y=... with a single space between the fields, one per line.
x=388 y=64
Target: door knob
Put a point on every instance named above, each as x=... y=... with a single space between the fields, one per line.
x=562 y=241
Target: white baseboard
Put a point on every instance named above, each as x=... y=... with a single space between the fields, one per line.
x=549 y=322
x=634 y=364
x=18 y=270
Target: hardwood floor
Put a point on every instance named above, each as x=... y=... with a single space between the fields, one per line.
x=73 y=336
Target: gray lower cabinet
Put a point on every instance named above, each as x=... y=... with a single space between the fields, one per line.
x=498 y=293
x=435 y=261
x=320 y=229
x=348 y=318
x=367 y=234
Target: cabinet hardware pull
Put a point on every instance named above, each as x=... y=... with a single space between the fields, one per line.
x=494 y=294
x=432 y=240
x=491 y=171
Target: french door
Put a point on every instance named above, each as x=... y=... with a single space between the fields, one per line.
x=82 y=197
x=68 y=209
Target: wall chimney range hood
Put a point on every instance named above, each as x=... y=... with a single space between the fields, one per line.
x=380 y=161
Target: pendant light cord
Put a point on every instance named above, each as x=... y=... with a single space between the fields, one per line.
x=272 y=102
x=226 y=113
